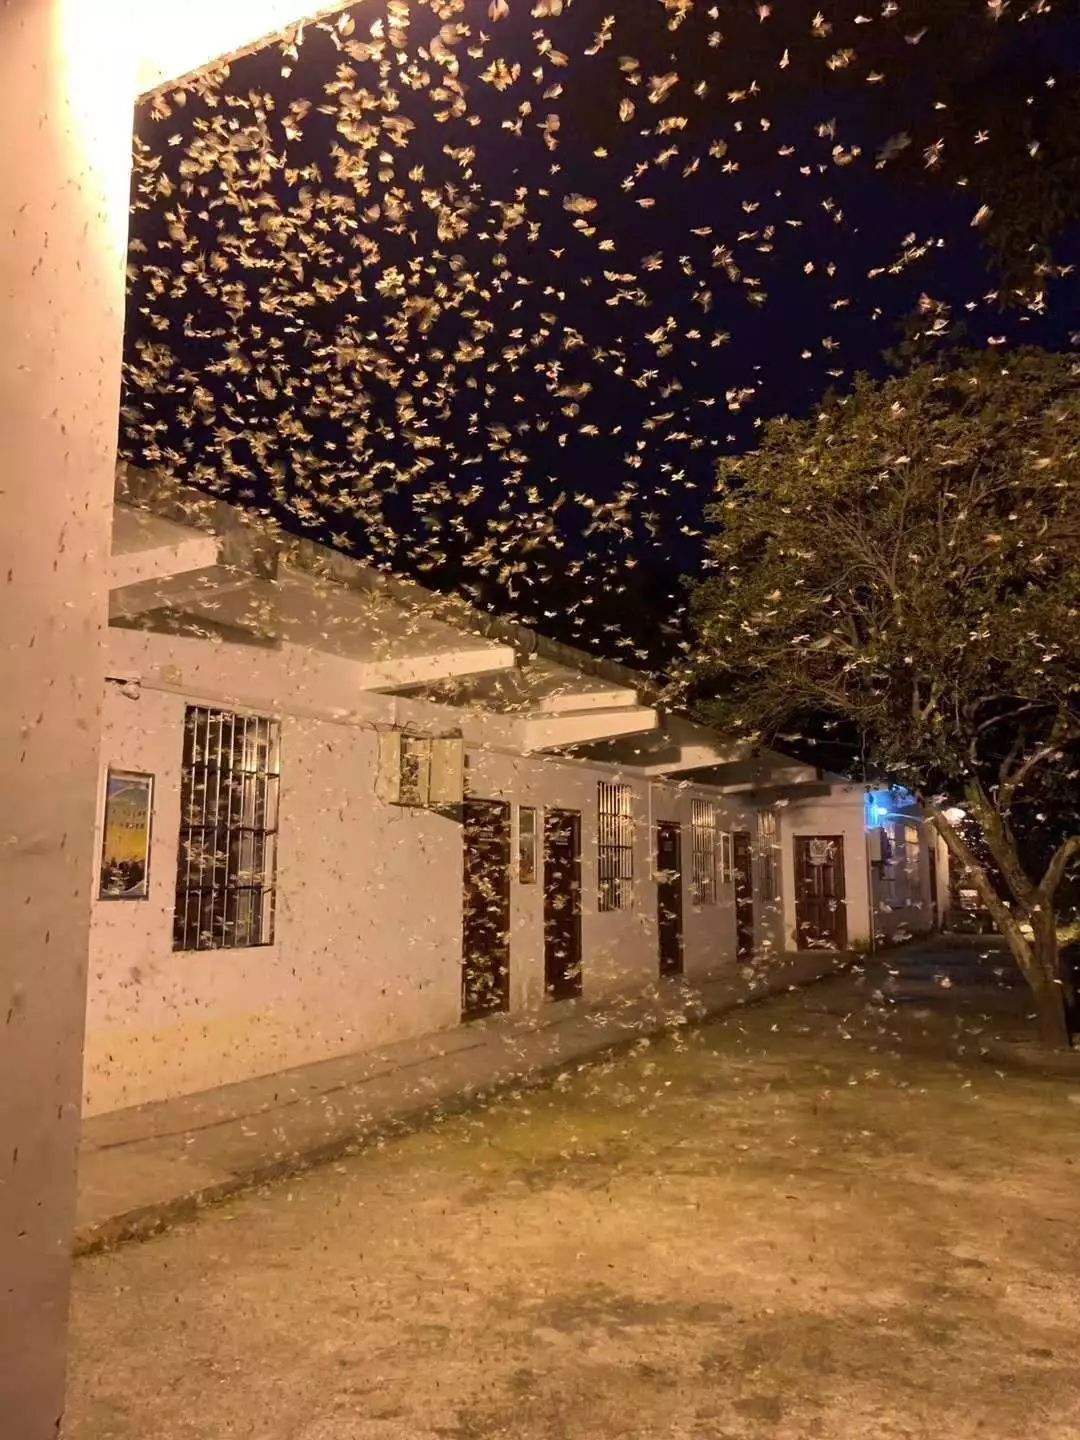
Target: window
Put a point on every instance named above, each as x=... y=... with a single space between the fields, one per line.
x=767 y=848
x=227 y=862
x=727 y=859
x=901 y=876
x=615 y=851
x=703 y=851
x=527 y=845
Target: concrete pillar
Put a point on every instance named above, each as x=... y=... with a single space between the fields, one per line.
x=65 y=118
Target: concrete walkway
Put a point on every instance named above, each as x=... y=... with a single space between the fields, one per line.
x=809 y=1219
x=143 y=1168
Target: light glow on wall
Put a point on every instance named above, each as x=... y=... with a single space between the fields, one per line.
x=878 y=809
x=95 y=48
x=175 y=39
x=883 y=805
x=111 y=51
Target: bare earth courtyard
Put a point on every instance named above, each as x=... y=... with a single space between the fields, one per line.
x=808 y=1219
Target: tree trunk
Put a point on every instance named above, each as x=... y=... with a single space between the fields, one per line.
x=1036 y=959
x=1051 y=995
x=1053 y=1021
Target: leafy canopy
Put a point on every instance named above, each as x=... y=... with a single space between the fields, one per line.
x=906 y=562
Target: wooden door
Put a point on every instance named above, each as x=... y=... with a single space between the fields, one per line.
x=820 y=909
x=485 y=971
x=562 y=903
x=742 y=861
x=669 y=897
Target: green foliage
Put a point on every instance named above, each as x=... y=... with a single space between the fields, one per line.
x=906 y=561
x=906 y=564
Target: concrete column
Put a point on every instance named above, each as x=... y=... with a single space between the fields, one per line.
x=65 y=118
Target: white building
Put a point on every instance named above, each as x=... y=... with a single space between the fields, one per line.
x=376 y=813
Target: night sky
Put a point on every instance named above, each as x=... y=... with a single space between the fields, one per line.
x=485 y=312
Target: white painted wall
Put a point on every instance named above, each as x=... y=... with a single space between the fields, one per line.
x=902 y=908
x=367 y=947
x=64 y=176
x=367 y=936
x=840 y=813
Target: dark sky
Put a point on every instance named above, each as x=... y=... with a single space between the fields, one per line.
x=365 y=299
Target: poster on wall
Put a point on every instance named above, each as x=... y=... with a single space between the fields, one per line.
x=125 y=850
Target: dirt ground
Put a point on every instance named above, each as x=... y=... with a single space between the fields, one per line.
x=804 y=1220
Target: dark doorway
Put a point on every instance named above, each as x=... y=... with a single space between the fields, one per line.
x=935 y=910
x=562 y=904
x=820 y=910
x=669 y=897
x=742 y=860
x=485 y=971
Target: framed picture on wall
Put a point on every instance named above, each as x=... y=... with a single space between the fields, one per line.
x=125 y=847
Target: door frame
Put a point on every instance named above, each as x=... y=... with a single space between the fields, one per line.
x=839 y=932
x=558 y=988
x=501 y=961
x=742 y=869
x=669 y=965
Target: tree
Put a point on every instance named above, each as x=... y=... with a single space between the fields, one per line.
x=905 y=566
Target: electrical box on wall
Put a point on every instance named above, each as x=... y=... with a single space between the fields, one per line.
x=877 y=845
x=447 y=772
x=421 y=771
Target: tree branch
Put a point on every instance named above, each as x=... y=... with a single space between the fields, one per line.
x=1004 y=919
x=1001 y=843
x=1059 y=864
x=1013 y=776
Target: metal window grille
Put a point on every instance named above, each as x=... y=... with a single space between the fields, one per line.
x=703 y=848
x=227 y=863
x=768 y=853
x=615 y=852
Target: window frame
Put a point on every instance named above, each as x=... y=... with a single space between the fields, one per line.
x=704 y=852
x=768 y=837
x=528 y=845
x=217 y=848
x=615 y=846
x=727 y=858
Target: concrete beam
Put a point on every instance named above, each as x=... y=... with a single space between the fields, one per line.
x=149 y=547
x=395 y=673
x=567 y=700
x=198 y=592
x=763 y=769
x=689 y=757
x=586 y=727
x=771 y=794
x=137 y=567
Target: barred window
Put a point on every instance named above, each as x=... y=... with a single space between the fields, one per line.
x=615 y=851
x=227 y=863
x=768 y=851
x=704 y=845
